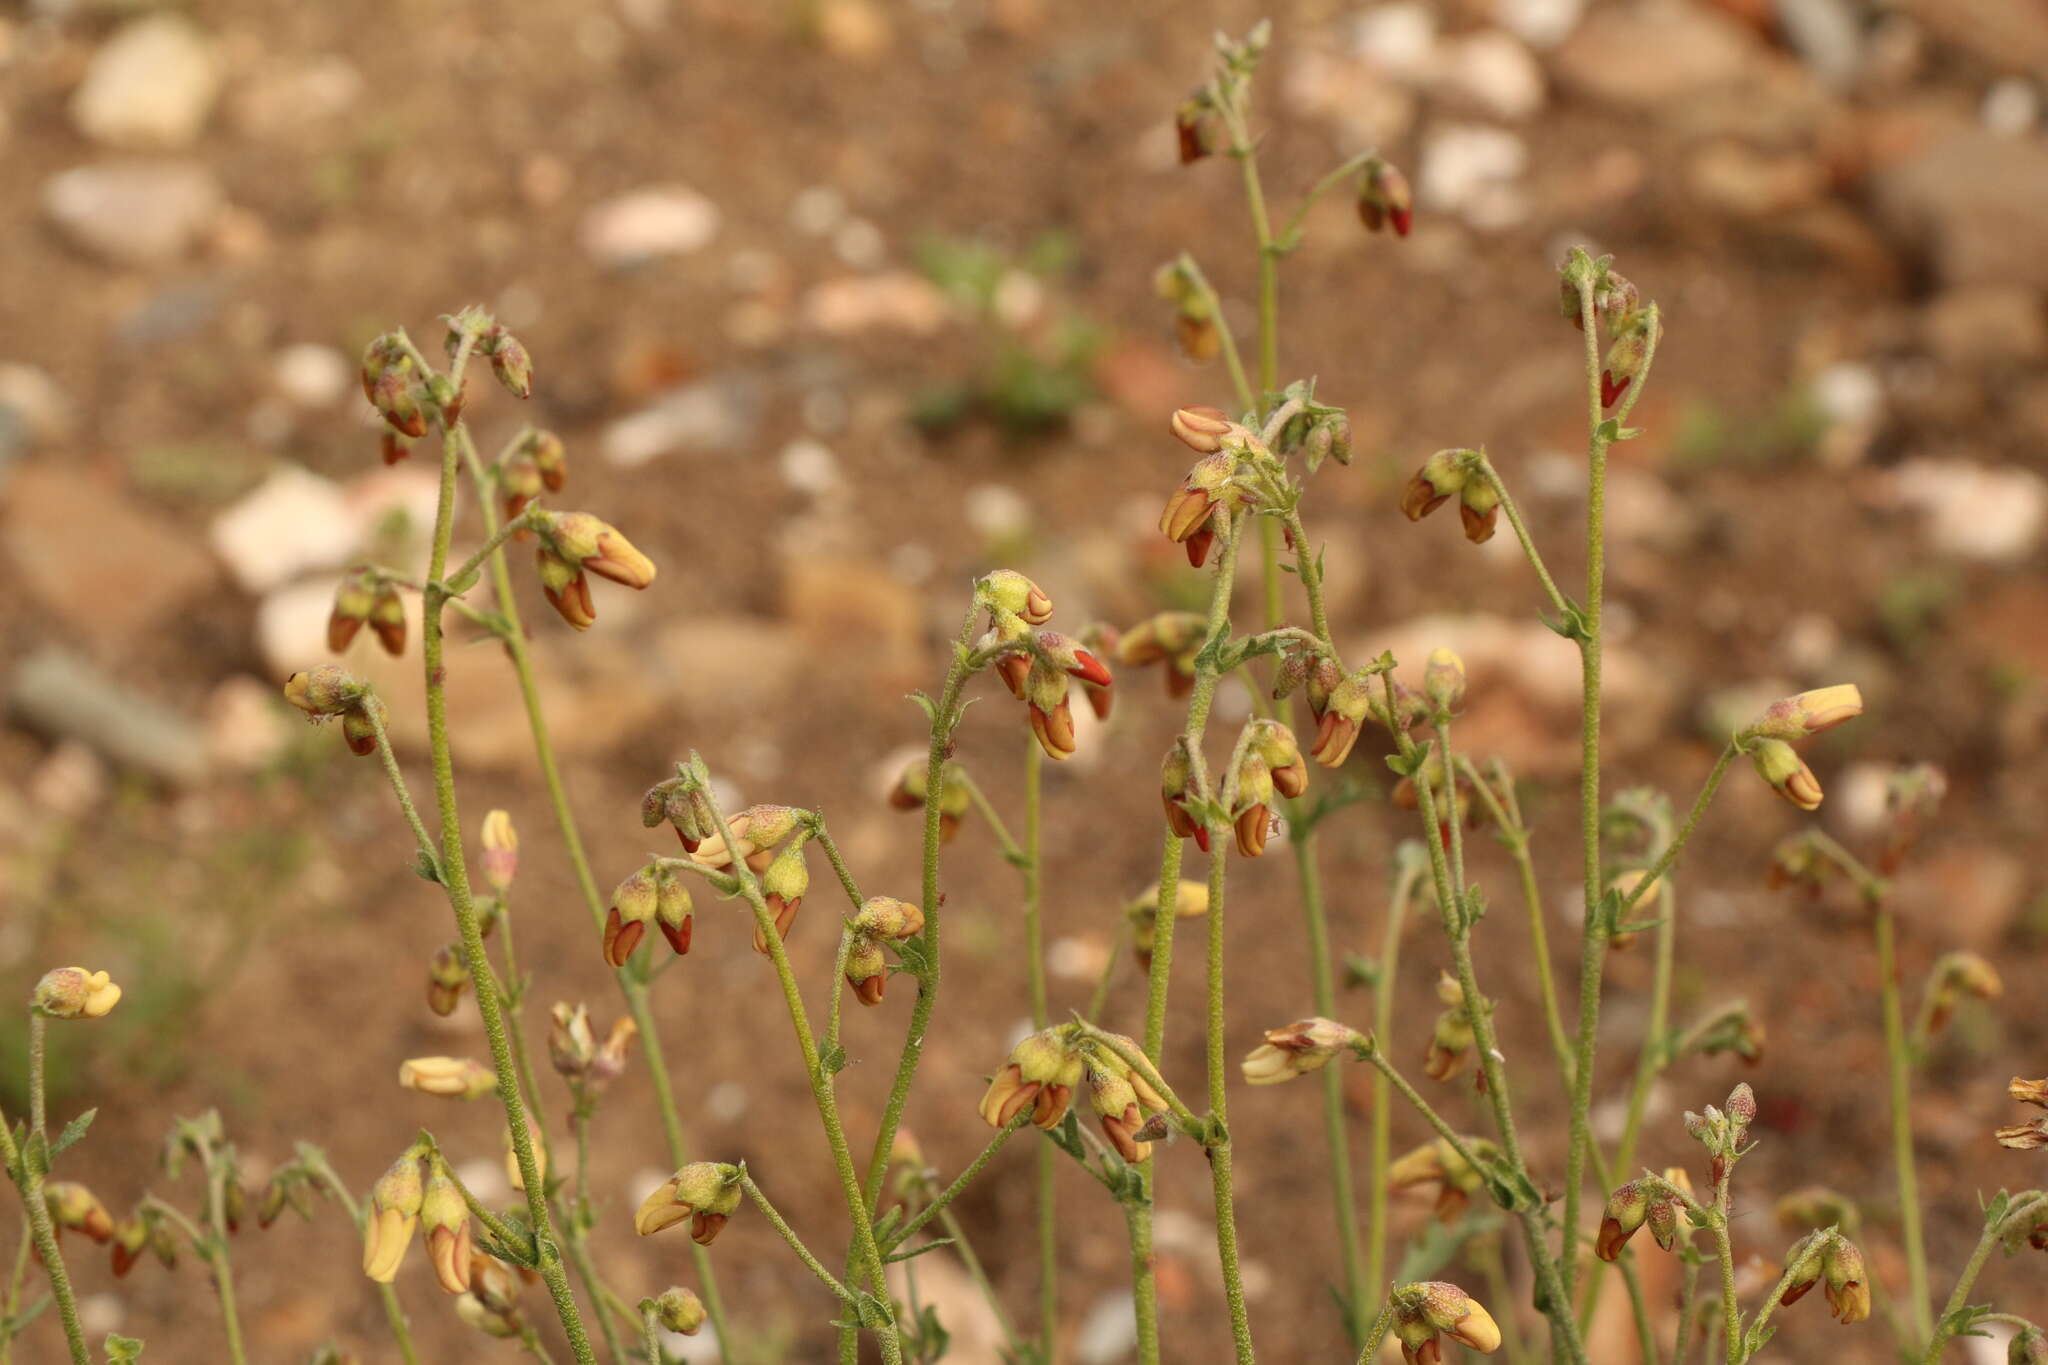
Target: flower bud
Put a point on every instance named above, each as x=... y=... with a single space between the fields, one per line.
x=679 y=1310
x=2029 y=1347
x=492 y=1304
x=509 y=361
x=354 y=598
x=1451 y=1040
x=2029 y=1092
x=393 y=389
x=1177 y=794
x=1098 y=641
x=447 y=978
x=1118 y=1105
x=1627 y=1209
x=77 y=1209
x=1423 y=1312
x=754 y=833
x=393 y=1214
x=1384 y=198
x=1443 y=679
x=1479 y=510
x=74 y=993
x=578 y=542
x=1441 y=477
x=2024 y=1137
x=867 y=970
x=1439 y=1163
x=455 y=1078
x=519 y=483
x=445 y=1216
x=1303 y=1046
x=1194 y=128
x=130 y=1240
x=549 y=456
x=1208 y=485
x=572 y=1047
x=1809 y=713
x=1344 y=711
x=673 y=909
x=634 y=902
x=1778 y=764
x=1848 y=1283
x=886 y=918
x=1040 y=1075
x=500 y=861
x=1955 y=976
x=705 y=1192
x=1275 y=743
x=908 y=793
x=1052 y=716
x=325 y=691
x=782 y=887
x=1202 y=429
x=1007 y=591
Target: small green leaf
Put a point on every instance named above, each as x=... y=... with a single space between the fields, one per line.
x=832 y=1062
x=426 y=868
x=1607 y=431
x=73 y=1131
x=122 y=1349
x=460 y=585
x=918 y=1250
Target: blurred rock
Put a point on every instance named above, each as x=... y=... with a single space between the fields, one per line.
x=248 y=725
x=150 y=87
x=943 y=1286
x=713 y=415
x=1492 y=70
x=61 y=696
x=1827 y=35
x=809 y=466
x=1973 y=204
x=312 y=377
x=2002 y=35
x=852 y=604
x=283 y=99
x=134 y=212
x=2011 y=107
x=1398 y=39
x=646 y=224
x=35 y=404
x=1109 y=1331
x=1976 y=889
x=92 y=560
x=1475 y=172
x=855 y=29
x=709 y=660
x=1655 y=57
x=1972 y=511
x=1741 y=181
x=293 y=522
x=1539 y=23
x=1986 y=328
x=68 y=784
x=894 y=301
x=1365 y=106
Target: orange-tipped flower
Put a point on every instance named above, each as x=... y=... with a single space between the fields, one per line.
x=1809 y=713
x=445 y=1216
x=782 y=887
x=1006 y=590
x=1847 y=1282
x=354 y=599
x=754 y=832
x=673 y=910
x=1441 y=478
x=1344 y=712
x=1384 y=199
x=1427 y=1311
x=867 y=970
x=1627 y=1209
x=1303 y=1046
x=75 y=1208
x=1778 y=764
x=447 y=978
x=1177 y=794
x=394 y=1213
x=1040 y=1076
x=509 y=360
x=634 y=902
x=1052 y=717
x=75 y=993
x=453 y=1078
x=575 y=542
x=705 y=1192
x=1208 y=485
x=1202 y=429
x=1123 y=1108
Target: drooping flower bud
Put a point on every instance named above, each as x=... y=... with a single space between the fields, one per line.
x=867 y=970
x=447 y=978
x=705 y=1192
x=575 y=542
x=1040 y=1075
x=393 y=1215
x=1115 y=1102
x=1848 y=1283
x=1007 y=591
x=1194 y=128
x=1441 y=478
x=886 y=919
x=1384 y=199
x=492 y=1304
x=1438 y=1163
x=1956 y=976
x=2029 y=1092
x=1172 y=637
x=673 y=909
x=1210 y=484
x=75 y=1208
x=1443 y=679
x=1177 y=794
x=1479 y=510
x=572 y=1047
x=1098 y=641
x=455 y=1078
x=509 y=361
x=500 y=860
x=1303 y=1046
x=679 y=1310
x=519 y=483
x=1451 y=1040
x=1275 y=743
x=634 y=902
x=908 y=793
x=754 y=833
x=1633 y=340
x=74 y=993
x=130 y=1240
x=1052 y=715
x=1627 y=1209
x=782 y=887
x=325 y=691
x=354 y=598
x=1778 y=764
x=445 y=1216
x=1343 y=713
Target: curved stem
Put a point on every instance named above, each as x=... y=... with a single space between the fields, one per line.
x=631 y=987
x=1899 y=1063
x=1033 y=867
x=215 y=1250
x=960 y=1182
x=1506 y=812
x=455 y=878
x=28 y=1168
x=796 y=1243
x=1219 y=1071
x=1405 y=883
x=316 y=1163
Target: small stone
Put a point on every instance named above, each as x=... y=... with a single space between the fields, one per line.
x=817 y=210
x=1982 y=512
x=59 y=695
x=1494 y=71
x=290 y=524
x=1399 y=39
x=281 y=100
x=149 y=87
x=860 y=244
x=248 y=725
x=1474 y=171
x=1987 y=328
x=712 y=415
x=1108 y=1331
x=134 y=212
x=894 y=301
x=646 y=224
x=1539 y=23
x=312 y=377
x=1655 y=57
x=36 y=404
x=1827 y=35
x=832 y=600
x=1741 y=181
x=2011 y=107
x=855 y=29
x=809 y=466
x=69 y=783
x=90 y=557
x=1973 y=203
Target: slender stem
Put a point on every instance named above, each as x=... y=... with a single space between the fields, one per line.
x=1219 y=1071
x=15 y=1279
x=1405 y=883
x=579 y=1238
x=1899 y=1063
x=1008 y=845
x=796 y=1243
x=1242 y=148
x=1594 y=930
x=1646 y=1340
x=976 y=1272
x=215 y=1250
x=1232 y=361
x=1681 y=1344
x=1377 y=1333
x=28 y=1167
x=1098 y=999
x=1492 y=476
x=1514 y=834
x=455 y=877
x=960 y=1182
x=530 y=1339
x=1670 y=852
x=389 y=760
x=868 y=1256
x=1731 y=1310
x=315 y=1161
x=631 y=987
x=1033 y=867
x=1332 y=178
x=1385 y=1066
x=493 y=542
x=1144 y=1280
x=1486 y=1250
x=514 y=996
x=38 y=1118
x=945 y=717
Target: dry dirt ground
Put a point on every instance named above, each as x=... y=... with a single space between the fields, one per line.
x=1839 y=206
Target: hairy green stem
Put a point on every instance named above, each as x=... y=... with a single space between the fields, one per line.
x=1219 y=1071
x=961 y=1181
x=1405 y=882
x=796 y=1243
x=1033 y=868
x=28 y=1165
x=1899 y=1063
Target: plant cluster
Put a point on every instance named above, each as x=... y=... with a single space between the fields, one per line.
x=1097 y=1098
